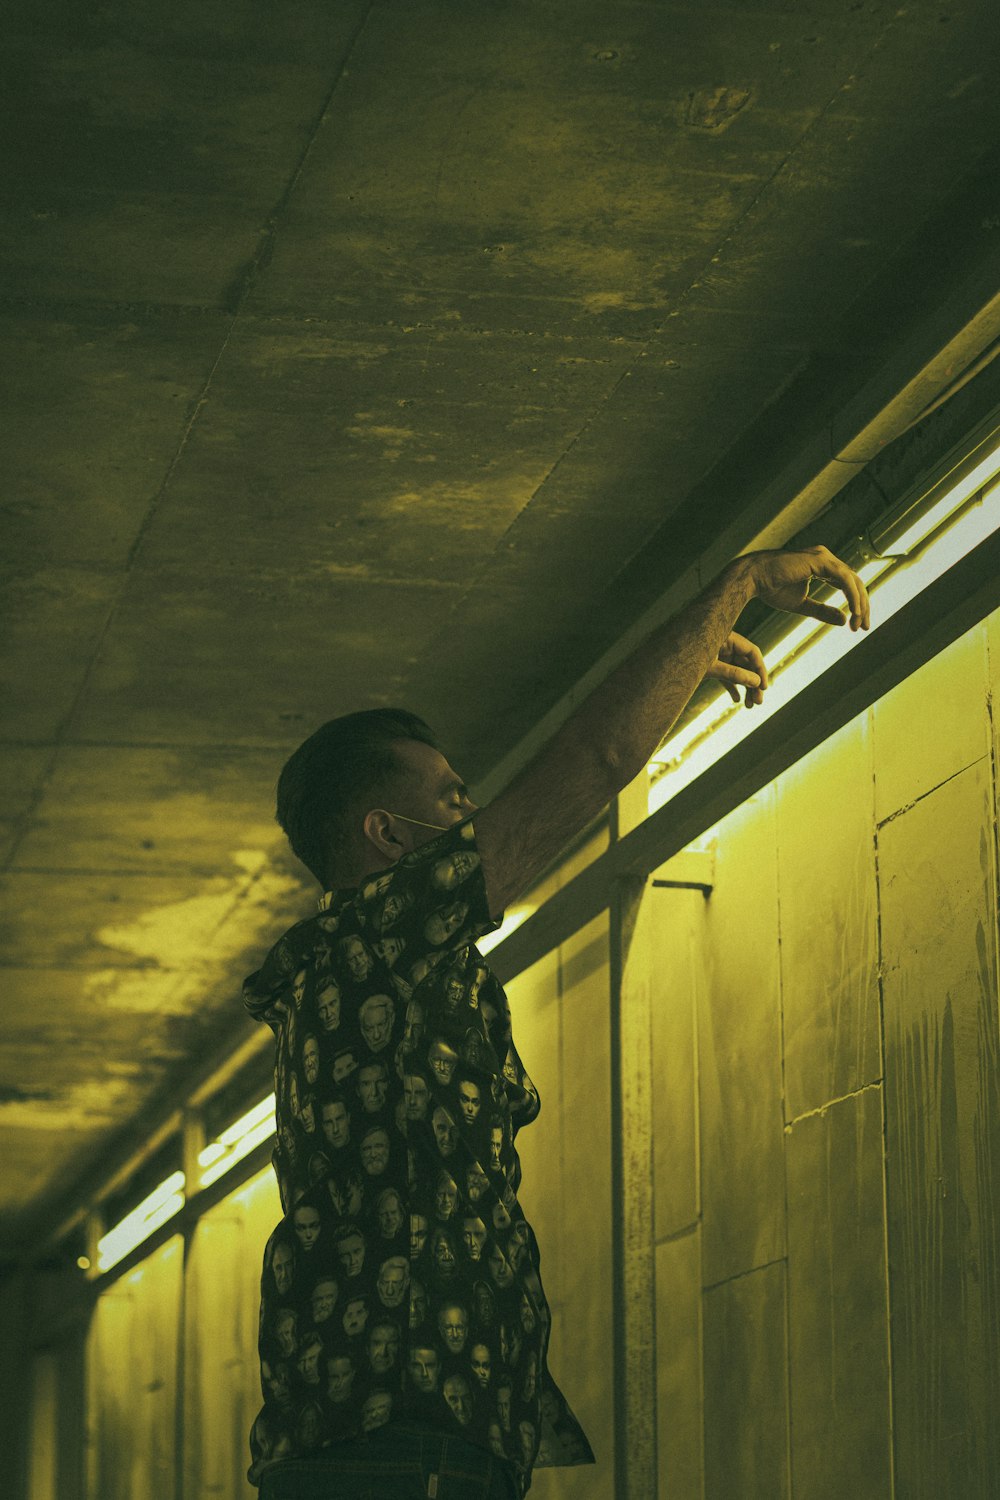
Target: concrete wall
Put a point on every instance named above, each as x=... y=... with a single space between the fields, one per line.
x=222 y=1380
x=827 y=1121
x=561 y=1025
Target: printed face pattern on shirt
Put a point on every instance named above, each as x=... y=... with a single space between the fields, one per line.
x=403 y=1280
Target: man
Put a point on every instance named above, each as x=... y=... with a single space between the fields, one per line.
x=413 y=873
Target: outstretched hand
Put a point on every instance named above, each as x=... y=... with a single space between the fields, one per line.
x=782 y=580
x=740 y=665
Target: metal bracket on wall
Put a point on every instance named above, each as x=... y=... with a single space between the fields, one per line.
x=690 y=870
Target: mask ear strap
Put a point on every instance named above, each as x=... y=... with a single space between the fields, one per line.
x=441 y=828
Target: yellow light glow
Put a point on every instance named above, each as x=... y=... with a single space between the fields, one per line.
x=161 y=1204
x=237 y=1141
x=943 y=508
x=811 y=647
x=512 y=920
x=83 y=1262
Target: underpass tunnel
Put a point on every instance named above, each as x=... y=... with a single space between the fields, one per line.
x=436 y=356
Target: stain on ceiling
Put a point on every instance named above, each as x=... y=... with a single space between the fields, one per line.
x=388 y=353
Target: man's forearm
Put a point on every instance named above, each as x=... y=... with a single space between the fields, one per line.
x=627 y=716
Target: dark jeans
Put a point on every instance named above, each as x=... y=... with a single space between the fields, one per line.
x=402 y=1461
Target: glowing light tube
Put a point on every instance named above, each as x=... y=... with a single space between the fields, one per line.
x=237 y=1141
x=811 y=647
x=513 y=918
x=161 y=1204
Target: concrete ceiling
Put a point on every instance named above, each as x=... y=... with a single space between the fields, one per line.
x=388 y=353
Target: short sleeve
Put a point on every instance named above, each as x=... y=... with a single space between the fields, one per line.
x=433 y=901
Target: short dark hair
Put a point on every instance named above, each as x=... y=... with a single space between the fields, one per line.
x=323 y=784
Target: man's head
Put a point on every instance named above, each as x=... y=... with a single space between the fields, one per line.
x=345 y=794
x=336 y=1123
x=340 y=1372
x=425 y=1363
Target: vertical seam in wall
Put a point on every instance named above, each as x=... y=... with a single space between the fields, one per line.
x=784 y=1157
x=992 y=730
x=890 y=1372
x=696 y=956
x=180 y=1412
x=619 y=1385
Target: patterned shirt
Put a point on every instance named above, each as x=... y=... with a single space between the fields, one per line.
x=402 y=1281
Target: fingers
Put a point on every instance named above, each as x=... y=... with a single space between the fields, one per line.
x=825 y=612
x=733 y=677
x=853 y=588
x=726 y=672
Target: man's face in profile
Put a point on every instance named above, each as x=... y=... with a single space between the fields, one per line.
x=425 y=789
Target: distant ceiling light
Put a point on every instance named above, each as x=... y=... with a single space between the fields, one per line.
x=83 y=1261
x=161 y=1204
x=237 y=1141
x=923 y=541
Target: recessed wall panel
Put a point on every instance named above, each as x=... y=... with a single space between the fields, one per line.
x=739 y=1051
x=679 y=1394
x=837 y=1303
x=746 y=1438
x=222 y=1369
x=676 y=965
x=132 y=1381
x=932 y=725
x=829 y=947
x=939 y=916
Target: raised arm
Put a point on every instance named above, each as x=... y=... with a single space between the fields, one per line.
x=606 y=742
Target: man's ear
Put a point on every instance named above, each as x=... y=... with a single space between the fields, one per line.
x=379 y=830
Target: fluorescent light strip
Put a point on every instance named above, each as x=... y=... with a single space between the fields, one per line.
x=513 y=919
x=237 y=1141
x=811 y=647
x=161 y=1204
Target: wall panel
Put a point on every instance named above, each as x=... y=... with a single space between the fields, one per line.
x=939 y=915
x=583 y=1361
x=679 y=1373
x=837 y=1296
x=43 y=1437
x=932 y=725
x=132 y=1381
x=560 y=1009
x=746 y=1418
x=829 y=944
x=677 y=975
x=222 y=1381
x=739 y=1051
